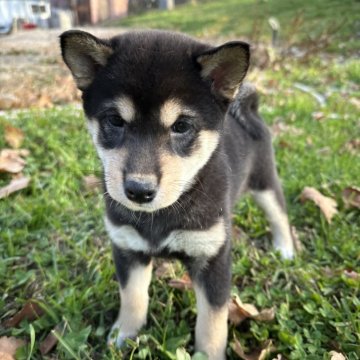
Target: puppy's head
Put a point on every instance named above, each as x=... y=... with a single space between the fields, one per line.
x=155 y=103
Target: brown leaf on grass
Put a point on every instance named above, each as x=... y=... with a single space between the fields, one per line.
x=65 y=90
x=51 y=339
x=336 y=356
x=31 y=311
x=44 y=101
x=11 y=160
x=297 y=243
x=13 y=186
x=326 y=204
x=239 y=311
x=318 y=115
x=279 y=128
x=353 y=146
x=91 y=182
x=164 y=270
x=283 y=144
x=9 y=101
x=184 y=283
x=351 y=274
x=8 y=347
x=236 y=316
x=351 y=197
x=355 y=102
x=13 y=136
x=257 y=354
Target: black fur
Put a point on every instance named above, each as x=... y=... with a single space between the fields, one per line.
x=152 y=67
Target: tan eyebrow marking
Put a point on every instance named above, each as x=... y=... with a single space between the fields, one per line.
x=171 y=110
x=126 y=108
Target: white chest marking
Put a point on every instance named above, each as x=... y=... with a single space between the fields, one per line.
x=194 y=243
x=126 y=237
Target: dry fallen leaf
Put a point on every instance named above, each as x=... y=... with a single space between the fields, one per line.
x=9 y=101
x=13 y=186
x=336 y=356
x=164 y=270
x=355 y=102
x=280 y=127
x=31 y=311
x=11 y=160
x=13 y=136
x=8 y=347
x=351 y=197
x=326 y=204
x=238 y=311
x=353 y=146
x=352 y=274
x=91 y=182
x=297 y=243
x=318 y=115
x=51 y=339
x=184 y=283
x=44 y=101
x=257 y=354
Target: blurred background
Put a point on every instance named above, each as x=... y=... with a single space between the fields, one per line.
x=276 y=29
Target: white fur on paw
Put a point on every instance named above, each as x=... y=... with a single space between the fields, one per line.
x=117 y=338
x=286 y=253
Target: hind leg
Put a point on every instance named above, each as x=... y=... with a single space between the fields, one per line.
x=268 y=194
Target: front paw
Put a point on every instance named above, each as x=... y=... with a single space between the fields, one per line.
x=117 y=337
x=287 y=253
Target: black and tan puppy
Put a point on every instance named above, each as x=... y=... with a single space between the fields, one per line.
x=180 y=139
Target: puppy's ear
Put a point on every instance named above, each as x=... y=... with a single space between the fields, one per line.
x=226 y=67
x=84 y=54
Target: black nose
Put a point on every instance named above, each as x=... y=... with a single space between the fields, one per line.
x=140 y=192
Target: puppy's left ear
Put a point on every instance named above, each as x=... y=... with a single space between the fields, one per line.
x=226 y=67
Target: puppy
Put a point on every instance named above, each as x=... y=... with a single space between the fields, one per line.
x=180 y=139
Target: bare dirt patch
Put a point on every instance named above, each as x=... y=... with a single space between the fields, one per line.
x=32 y=73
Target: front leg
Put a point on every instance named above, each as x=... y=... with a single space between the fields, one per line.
x=212 y=288
x=133 y=270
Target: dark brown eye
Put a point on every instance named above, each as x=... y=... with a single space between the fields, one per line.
x=115 y=120
x=181 y=126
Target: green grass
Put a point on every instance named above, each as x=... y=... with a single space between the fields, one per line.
x=53 y=245
x=299 y=20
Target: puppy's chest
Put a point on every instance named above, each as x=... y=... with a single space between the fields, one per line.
x=193 y=243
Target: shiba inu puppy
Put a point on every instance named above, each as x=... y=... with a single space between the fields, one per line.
x=180 y=139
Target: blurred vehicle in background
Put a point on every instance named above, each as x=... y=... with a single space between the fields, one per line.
x=23 y=14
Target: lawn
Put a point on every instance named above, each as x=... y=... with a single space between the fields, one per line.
x=53 y=246
x=299 y=20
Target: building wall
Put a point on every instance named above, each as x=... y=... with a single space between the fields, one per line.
x=106 y=9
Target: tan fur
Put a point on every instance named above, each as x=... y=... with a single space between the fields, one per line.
x=126 y=108
x=201 y=243
x=278 y=221
x=134 y=304
x=171 y=110
x=178 y=172
x=211 y=327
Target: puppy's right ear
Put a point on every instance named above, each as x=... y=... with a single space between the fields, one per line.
x=84 y=54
